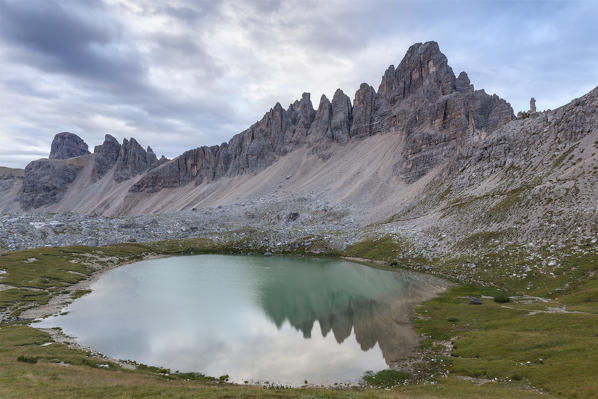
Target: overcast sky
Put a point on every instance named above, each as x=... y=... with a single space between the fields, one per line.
x=178 y=74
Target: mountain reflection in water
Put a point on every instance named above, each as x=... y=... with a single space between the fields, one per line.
x=373 y=303
x=251 y=317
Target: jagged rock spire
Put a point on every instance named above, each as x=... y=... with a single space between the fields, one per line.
x=420 y=98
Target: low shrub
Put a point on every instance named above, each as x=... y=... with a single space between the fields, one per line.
x=502 y=298
x=27 y=359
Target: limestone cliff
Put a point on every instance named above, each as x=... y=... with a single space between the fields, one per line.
x=437 y=113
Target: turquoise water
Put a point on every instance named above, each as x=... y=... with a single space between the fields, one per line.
x=277 y=319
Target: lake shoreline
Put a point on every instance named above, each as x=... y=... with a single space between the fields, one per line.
x=59 y=302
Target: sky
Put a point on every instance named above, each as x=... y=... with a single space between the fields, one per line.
x=179 y=74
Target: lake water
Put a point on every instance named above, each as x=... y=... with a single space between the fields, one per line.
x=282 y=320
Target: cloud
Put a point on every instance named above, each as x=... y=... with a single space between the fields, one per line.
x=185 y=73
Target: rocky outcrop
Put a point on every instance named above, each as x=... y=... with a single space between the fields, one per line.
x=105 y=156
x=342 y=117
x=201 y=165
x=277 y=133
x=363 y=111
x=129 y=159
x=9 y=177
x=332 y=122
x=67 y=145
x=45 y=182
x=133 y=160
x=439 y=116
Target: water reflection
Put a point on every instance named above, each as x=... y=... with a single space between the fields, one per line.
x=346 y=298
x=278 y=319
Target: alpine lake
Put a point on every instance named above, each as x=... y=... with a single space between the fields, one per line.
x=263 y=320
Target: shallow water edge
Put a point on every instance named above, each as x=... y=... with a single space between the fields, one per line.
x=434 y=286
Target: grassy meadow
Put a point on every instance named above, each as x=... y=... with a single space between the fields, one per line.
x=535 y=337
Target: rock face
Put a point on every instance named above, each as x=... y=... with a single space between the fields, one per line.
x=203 y=164
x=9 y=177
x=438 y=115
x=45 y=182
x=133 y=160
x=105 y=156
x=129 y=158
x=67 y=145
x=363 y=111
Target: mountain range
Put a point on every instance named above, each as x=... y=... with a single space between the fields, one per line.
x=423 y=151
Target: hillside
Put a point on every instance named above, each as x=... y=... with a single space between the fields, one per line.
x=425 y=156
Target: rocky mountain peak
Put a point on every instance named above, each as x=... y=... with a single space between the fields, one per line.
x=45 y=182
x=105 y=156
x=342 y=117
x=363 y=111
x=462 y=84
x=133 y=160
x=67 y=145
x=320 y=127
x=425 y=67
x=421 y=99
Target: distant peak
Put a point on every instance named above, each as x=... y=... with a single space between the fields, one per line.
x=67 y=145
x=324 y=99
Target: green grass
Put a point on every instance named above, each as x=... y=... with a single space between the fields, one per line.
x=79 y=293
x=59 y=371
x=387 y=378
x=493 y=341
x=556 y=352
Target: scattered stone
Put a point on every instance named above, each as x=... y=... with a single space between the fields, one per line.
x=475 y=301
x=291 y=217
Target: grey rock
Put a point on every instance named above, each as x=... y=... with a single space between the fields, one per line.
x=67 y=145
x=133 y=160
x=462 y=84
x=437 y=113
x=202 y=164
x=342 y=117
x=440 y=116
x=363 y=111
x=332 y=123
x=532 y=105
x=105 y=156
x=475 y=301
x=291 y=217
x=45 y=182
x=320 y=128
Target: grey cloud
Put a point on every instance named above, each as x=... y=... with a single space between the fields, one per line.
x=71 y=38
x=208 y=69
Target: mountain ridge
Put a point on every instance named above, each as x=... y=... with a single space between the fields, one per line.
x=426 y=146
